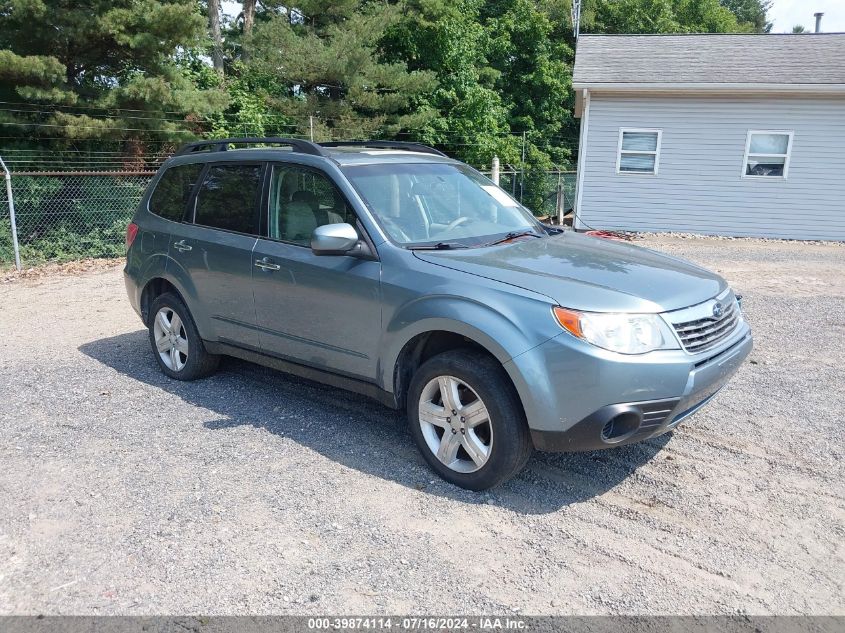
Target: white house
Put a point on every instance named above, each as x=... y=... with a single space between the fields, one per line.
x=721 y=134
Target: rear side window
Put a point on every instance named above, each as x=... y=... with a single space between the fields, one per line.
x=173 y=190
x=228 y=198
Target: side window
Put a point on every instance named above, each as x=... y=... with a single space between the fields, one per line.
x=173 y=190
x=639 y=151
x=767 y=154
x=228 y=198
x=301 y=199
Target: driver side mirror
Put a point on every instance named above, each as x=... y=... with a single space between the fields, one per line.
x=335 y=239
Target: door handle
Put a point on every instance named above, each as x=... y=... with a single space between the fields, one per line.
x=266 y=264
x=181 y=246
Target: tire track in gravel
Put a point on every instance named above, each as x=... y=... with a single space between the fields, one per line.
x=664 y=518
x=782 y=462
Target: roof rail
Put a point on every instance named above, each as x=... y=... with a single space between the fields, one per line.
x=221 y=145
x=410 y=147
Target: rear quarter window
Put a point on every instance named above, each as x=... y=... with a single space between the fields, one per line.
x=173 y=190
x=228 y=198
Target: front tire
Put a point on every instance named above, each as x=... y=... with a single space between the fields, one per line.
x=176 y=343
x=467 y=420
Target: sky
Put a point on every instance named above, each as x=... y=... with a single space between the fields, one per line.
x=784 y=13
x=234 y=8
x=787 y=13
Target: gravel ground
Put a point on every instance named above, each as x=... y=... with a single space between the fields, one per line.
x=122 y=492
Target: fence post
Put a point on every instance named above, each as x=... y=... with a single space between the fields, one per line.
x=494 y=176
x=522 y=170
x=559 y=200
x=8 y=178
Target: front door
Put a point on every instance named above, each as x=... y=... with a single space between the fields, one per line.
x=323 y=311
x=215 y=249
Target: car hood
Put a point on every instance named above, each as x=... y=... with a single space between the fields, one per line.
x=587 y=273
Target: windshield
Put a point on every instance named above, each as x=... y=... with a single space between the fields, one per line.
x=441 y=204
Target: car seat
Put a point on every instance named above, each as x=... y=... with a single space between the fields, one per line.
x=298 y=222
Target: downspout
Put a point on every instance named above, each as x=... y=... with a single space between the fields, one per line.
x=8 y=178
x=582 y=159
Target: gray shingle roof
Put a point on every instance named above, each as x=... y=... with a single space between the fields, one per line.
x=710 y=59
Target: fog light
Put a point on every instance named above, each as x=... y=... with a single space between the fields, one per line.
x=620 y=426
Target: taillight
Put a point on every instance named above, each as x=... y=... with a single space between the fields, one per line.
x=131 y=233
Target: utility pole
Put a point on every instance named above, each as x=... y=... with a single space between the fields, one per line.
x=311 y=127
x=495 y=172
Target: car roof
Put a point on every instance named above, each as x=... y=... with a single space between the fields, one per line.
x=355 y=153
x=366 y=156
x=340 y=155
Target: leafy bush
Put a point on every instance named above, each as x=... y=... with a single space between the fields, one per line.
x=71 y=217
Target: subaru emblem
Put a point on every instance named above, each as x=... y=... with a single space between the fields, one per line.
x=718 y=309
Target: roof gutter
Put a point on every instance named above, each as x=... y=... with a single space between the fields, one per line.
x=737 y=88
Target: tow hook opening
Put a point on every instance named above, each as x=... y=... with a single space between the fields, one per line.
x=621 y=426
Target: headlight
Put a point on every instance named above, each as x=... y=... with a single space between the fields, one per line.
x=623 y=333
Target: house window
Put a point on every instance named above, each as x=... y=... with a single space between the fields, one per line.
x=639 y=151
x=767 y=154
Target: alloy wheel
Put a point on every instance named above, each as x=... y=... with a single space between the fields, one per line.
x=171 y=339
x=455 y=424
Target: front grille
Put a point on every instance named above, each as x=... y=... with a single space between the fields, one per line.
x=703 y=334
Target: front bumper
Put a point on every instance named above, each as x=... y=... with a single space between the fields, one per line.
x=570 y=383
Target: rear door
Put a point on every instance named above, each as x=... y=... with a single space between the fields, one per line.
x=167 y=205
x=323 y=311
x=214 y=250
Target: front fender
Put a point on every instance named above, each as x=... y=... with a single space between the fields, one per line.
x=505 y=332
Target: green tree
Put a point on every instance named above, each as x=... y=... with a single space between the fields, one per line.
x=449 y=40
x=69 y=61
x=534 y=80
x=533 y=76
x=753 y=12
x=662 y=16
x=324 y=60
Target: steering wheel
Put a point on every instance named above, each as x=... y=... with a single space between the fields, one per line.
x=457 y=222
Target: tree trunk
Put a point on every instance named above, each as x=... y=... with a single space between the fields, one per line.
x=216 y=39
x=249 y=21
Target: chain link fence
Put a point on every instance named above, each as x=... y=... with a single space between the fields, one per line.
x=63 y=216
x=547 y=193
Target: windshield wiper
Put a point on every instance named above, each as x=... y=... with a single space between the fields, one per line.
x=512 y=236
x=440 y=246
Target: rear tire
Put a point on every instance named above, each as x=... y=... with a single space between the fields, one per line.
x=467 y=420
x=176 y=343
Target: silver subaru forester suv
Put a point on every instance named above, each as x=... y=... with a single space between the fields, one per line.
x=394 y=271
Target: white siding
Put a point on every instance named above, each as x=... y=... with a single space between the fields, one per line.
x=699 y=187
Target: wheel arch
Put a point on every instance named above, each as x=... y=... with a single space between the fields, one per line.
x=154 y=288
x=160 y=284
x=427 y=343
